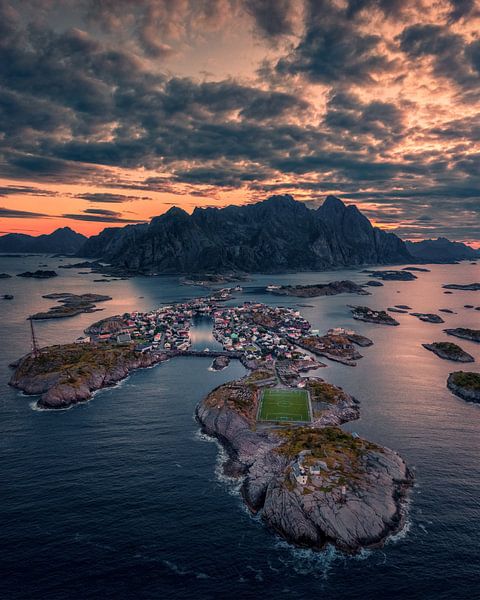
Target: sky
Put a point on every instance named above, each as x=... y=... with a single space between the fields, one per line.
x=112 y=111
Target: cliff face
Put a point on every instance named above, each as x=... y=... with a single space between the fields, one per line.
x=274 y=235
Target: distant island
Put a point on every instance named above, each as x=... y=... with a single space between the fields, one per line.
x=442 y=250
x=39 y=274
x=319 y=289
x=469 y=287
x=60 y=241
x=70 y=305
x=392 y=275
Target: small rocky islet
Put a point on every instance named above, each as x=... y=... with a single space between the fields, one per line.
x=71 y=305
x=465 y=333
x=392 y=275
x=468 y=287
x=369 y=315
x=428 y=317
x=38 y=274
x=320 y=289
x=449 y=351
x=465 y=385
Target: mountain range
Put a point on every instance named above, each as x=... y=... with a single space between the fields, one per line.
x=60 y=241
x=277 y=234
x=442 y=250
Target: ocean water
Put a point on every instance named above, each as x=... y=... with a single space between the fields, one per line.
x=122 y=497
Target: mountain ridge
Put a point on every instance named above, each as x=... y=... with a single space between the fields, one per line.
x=442 y=250
x=276 y=234
x=63 y=240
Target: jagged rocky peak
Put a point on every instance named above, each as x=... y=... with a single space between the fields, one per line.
x=332 y=203
x=277 y=234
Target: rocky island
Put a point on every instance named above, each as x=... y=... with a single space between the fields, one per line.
x=71 y=305
x=392 y=275
x=69 y=374
x=4 y=276
x=449 y=351
x=320 y=289
x=39 y=274
x=363 y=313
x=465 y=333
x=313 y=485
x=469 y=287
x=466 y=385
x=428 y=317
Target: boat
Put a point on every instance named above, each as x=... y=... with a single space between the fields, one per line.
x=7 y=297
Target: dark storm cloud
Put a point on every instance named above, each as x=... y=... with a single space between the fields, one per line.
x=24 y=189
x=72 y=103
x=12 y=213
x=109 y=198
x=273 y=17
x=100 y=218
x=347 y=114
x=333 y=48
x=461 y=9
x=453 y=57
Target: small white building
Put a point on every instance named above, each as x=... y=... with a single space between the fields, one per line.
x=300 y=474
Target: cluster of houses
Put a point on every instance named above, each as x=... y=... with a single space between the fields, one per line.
x=243 y=329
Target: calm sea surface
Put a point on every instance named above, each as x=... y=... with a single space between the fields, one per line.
x=122 y=498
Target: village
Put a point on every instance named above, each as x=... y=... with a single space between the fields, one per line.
x=252 y=331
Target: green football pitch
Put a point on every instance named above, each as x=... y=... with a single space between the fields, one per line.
x=284 y=405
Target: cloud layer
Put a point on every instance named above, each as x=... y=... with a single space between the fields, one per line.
x=374 y=100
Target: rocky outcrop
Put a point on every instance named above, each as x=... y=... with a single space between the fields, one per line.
x=355 y=501
x=275 y=235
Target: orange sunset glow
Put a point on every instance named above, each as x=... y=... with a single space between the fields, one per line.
x=112 y=112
